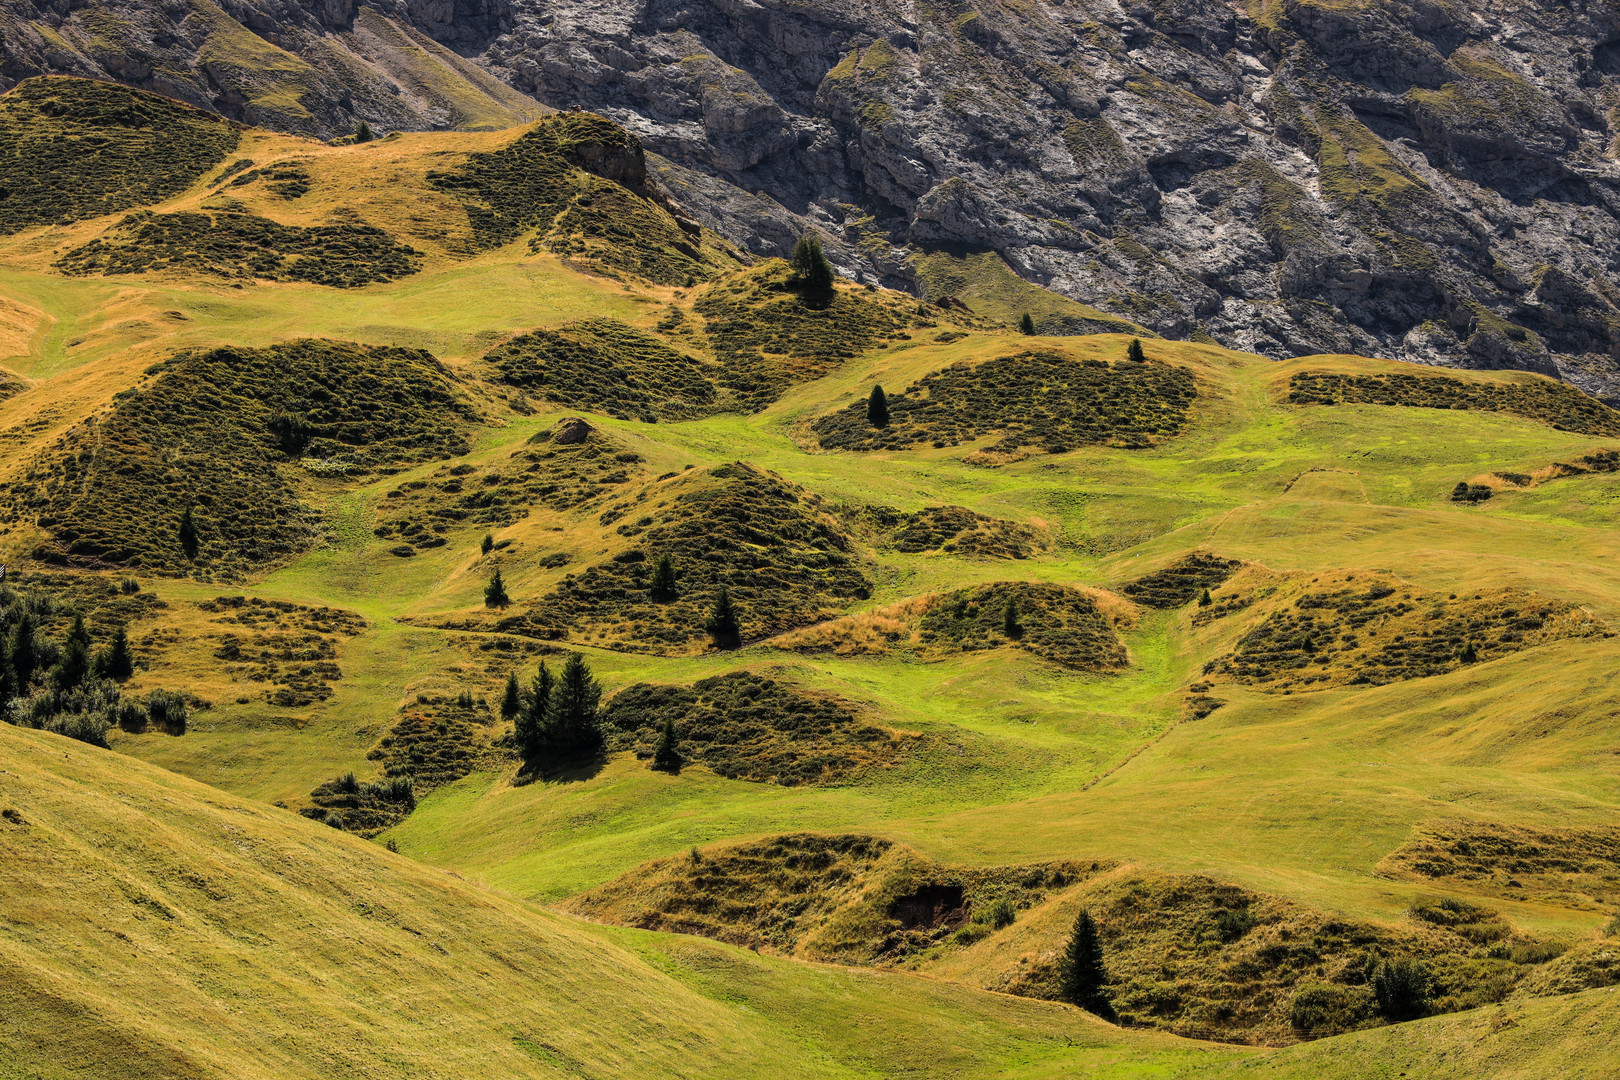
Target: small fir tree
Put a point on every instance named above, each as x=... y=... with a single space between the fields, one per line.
x=74 y=664
x=511 y=698
x=667 y=754
x=1470 y=655
x=188 y=535
x=1027 y=323
x=662 y=588
x=532 y=728
x=810 y=266
x=495 y=592
x=1081 y=974
x=723 y=625
x=8 y=677
x=24 y=652
x=488 y=545
x=362 y=132
x=877 y=408
x=1135 y=354
x=1204 y=599
x=1009 y=619
x=115 y=661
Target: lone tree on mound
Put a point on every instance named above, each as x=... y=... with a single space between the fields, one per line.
x=1009 y=619
x=495 y=592
x=1135 y=354
x=877 y=408
x=188 y=535
x=1027 y=323
x=810 y=266
x=511 y=698
x=667 y=754
x=722 y=624
x=362 y=132
x=662 y=589
x=1081 y=975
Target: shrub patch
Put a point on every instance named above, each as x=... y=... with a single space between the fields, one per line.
x=1555 y=403
x=954 y=530
x=290 y=646
x=1182 y=581
x=602 y=365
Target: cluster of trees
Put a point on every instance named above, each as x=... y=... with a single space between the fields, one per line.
x=811 y=270
x=556 y=720
x=69 y=687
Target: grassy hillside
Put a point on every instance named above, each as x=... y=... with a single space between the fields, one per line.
x=1217 y=629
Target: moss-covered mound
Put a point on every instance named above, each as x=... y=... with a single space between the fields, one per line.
x=565 y=467
x=577 y=183
x=1035 y=399
x=954 y=530
x=769 y=336
x=602 y=365
x=1555 y=403
x=290 y=647
x=72 y=149
x=1056 y=623
x=855 y=899
x=1567 y=867
x=1182 y=581
x=748 y=727
x=786 y=561
x=1373 y=630
x=214 y=431
x=244 y=246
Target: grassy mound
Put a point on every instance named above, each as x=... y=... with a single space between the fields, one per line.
x=72 y=149
x=748 y=727
x=245 y=246
x=1056 y=623
x=1182 y=581
x=1555 y=403
x=854 y=899
x=543 y=183
x=1033 y=399
x=954 y=530
x=214 y=431
x=1373 y=630
x=602 y=365
x=1571 y=867
x=292 y=647
x=769 y=337
x=785 y=559
x=565 y=467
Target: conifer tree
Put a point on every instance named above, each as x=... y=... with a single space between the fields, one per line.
x=723 y=625
x=188 y=535
x=495 y=592
x=1081 y=974
x=74 y=664
x=575 y=710
x=1027 y=323
x=877 y=408
x=488 y=545
x=810 y=266
x=1135 y=354
x=667 y=754
x=1009 y=619
x=8 y=677
x=532 y=728
x=362 y=132
x=662 y=588
x=115 y=661
x=24 y=656
x=1470 y=655
x=512 y=698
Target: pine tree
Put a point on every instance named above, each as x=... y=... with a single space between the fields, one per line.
x=495 y=592
x=24 y=656
x=877 y=408
x=1205 y=599
x=1135 y=354
x=811 y=269
x=532 y=728
x=1009 y=619
x=1081 y=974
x=512 y=699
x=722 y=624
x=8 y=677
x=1027 y=323
x=1470 y=655
x=188 y=535
x=662 y=588
x=488 y=545
x=74 y=664
x=362 y=132
x=667 y=754
x=575 y=710
x=115 y=662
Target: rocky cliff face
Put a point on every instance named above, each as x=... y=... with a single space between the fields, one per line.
x=1433 y=181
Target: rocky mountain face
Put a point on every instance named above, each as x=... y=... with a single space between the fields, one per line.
x=1431 y=180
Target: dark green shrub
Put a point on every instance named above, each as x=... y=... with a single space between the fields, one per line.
x=1401 y=989
x=1328 y=1009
